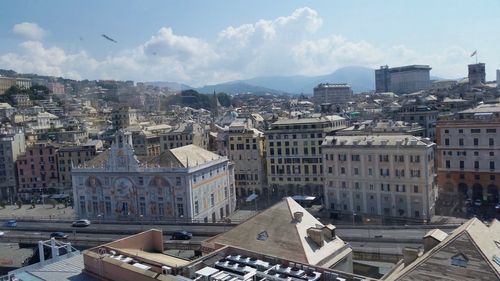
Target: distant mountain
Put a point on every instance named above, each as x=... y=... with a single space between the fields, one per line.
x=236 y=87
x=170 y=85
x=361 y=79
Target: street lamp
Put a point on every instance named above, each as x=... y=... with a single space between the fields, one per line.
x=140 y=220
x=353 y=216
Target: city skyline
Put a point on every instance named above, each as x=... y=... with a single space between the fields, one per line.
x=203 y=43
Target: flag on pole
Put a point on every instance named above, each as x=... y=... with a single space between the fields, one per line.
x=473 y=54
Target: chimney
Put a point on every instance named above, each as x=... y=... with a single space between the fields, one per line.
x=316 y=235
x=410 y=255
x=432 y=238
x=329 y=231
x=297 y=216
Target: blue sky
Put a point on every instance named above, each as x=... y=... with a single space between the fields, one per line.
x=204 y=42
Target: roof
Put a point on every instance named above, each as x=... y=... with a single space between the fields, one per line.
x=274 y=232
x=308 y=120
x=47 y=115
x=188 y=155
x=5 y=105
x=69 y=268
x=181 y=157
x=99 y=160
x=374 y=140
x=474 y=240
x=484 y=108
x=436 y=234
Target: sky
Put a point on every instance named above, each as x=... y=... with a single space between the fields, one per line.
x=208 y=42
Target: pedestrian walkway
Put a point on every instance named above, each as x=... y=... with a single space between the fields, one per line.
x=40 y=212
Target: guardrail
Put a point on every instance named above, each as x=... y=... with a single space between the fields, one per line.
x=94 y=242
x=103 y=230
x=79 y=242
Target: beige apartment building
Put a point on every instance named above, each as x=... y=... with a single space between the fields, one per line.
x=246 y=151
x=468 y=153
x=390 y=176
x=184 y=134
x=72 y=156
x=7 y=82
x=294 y=158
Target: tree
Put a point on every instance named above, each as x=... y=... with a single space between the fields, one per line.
x=2 y=204
x=53 y=203
x=224 y=99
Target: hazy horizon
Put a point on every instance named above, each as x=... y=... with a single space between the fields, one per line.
x=200 y=43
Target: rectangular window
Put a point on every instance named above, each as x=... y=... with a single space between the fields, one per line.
x=196 y=207
x=461 y=142
x=108 y=207
x=142 y=208
x=491 y=142
x=415 y=188
x=161 y=209
x=180 y=209
x=476 y=164
x=492 y=165
x=212 y=200
x=476 y=141
x=448 y=164
x=447 y=142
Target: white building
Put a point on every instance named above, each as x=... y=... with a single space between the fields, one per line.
x=390 y=175
x=338 y=95
x=183 y=183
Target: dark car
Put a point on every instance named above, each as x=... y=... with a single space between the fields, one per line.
x=182 y=235
x=10 y=223
x=81 y=223
x=59 y=235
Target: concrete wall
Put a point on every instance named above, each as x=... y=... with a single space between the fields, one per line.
x=149 y=241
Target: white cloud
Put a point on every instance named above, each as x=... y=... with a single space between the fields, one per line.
x=29 y=30
x=287 y=45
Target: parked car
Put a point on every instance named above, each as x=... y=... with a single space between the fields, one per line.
x=468 y=202
x=182 y=235
x=81 y=223
x=497 y=206
x=478 y=202
x=10 y=223
x=59 y=235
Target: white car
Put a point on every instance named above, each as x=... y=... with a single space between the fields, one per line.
x=478 y=202
x=81 y=223
x=2 y=233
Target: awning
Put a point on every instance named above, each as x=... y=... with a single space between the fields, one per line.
x=252 y=197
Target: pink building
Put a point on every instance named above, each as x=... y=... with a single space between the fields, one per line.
x=37 y=170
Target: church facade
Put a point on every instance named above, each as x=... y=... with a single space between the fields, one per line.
x=185 y=183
